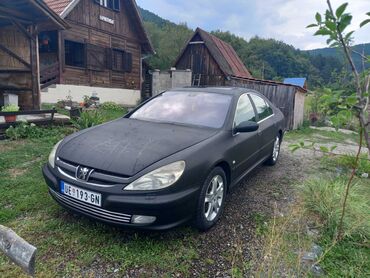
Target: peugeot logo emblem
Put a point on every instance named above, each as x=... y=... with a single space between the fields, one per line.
x=83 y=173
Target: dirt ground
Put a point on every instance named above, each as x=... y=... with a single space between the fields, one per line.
x=236 y=240
x=267 y=190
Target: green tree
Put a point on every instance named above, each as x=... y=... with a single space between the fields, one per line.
x=168 y=40
x=334 y=25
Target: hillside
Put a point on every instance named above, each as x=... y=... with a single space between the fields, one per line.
x=151 y=17
x=265 y=58
x=333 y=52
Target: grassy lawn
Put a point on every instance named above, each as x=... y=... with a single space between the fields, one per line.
x=322 y=136
x=69 y=244
x=318 y=208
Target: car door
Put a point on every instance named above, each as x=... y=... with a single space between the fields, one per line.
x=245 y=146
x=267 y=126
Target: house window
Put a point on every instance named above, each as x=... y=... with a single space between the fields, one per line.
x=75 y=54
x=121 y=60
x=117 y=59
x=110 y=4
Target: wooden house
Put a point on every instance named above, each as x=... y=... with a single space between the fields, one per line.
x=20 y=23
x=215 y=63
x=101 y=53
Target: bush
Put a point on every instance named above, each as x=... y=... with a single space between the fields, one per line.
x=88 y=119
x=10 y=108
x=111 y=106
x=31 y=131
x=22 y=131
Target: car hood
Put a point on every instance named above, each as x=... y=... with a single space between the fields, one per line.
x=127 y=146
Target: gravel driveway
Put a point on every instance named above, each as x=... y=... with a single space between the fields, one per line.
x=236 y=240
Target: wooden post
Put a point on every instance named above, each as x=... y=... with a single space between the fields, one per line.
x=35 y=71
x=18 y=250
x=60 y=56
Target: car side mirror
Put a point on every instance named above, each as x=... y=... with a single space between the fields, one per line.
x=247 y=126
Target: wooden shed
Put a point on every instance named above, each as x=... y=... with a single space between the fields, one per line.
x=289 y=99
x=211 y=60
x=102 y=52
x=20 y=23
x=215 y=63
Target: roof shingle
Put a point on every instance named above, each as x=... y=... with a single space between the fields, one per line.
x=236 y=65
x=58 y=6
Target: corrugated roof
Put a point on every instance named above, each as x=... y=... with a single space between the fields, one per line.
x=297 y=81
x=227 y=59
x=58 y=6
x=224 y=54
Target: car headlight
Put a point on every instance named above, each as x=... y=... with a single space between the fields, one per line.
x=160 y=178
x=52 y=154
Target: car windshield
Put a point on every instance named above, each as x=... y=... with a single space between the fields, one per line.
x=189 y=108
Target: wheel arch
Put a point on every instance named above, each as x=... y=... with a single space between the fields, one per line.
x=225 y=166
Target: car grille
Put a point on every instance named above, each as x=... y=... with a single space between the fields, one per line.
x=98 y=177
x=91 y=210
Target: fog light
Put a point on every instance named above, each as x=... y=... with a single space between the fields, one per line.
x=142 y=219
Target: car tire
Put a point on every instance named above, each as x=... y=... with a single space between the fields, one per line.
x=211 y=200
x=274 y=156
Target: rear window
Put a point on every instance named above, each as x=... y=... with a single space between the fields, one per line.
x=189 y=108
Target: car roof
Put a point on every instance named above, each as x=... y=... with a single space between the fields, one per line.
x=235 y=91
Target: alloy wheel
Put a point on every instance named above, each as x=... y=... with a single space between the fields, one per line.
x=214 y=198
x=276 y=151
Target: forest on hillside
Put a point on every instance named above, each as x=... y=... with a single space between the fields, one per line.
x=265 y=58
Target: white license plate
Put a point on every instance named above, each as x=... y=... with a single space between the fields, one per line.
x=80 y=194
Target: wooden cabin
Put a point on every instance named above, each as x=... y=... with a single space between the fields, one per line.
x=101 y=53
x=211 y=60
x=20 y=23
x=215 y=63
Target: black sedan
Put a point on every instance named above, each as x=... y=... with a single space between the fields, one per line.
x=171 y=160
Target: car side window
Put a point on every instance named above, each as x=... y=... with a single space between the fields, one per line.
x=244 y=110
x=262 y=107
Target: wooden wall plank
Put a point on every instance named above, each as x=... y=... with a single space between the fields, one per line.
x=14 y=40
x=282 y=96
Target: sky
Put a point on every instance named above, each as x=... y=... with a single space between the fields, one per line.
x=279 y=19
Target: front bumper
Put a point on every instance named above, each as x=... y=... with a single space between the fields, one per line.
x=170 y=210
